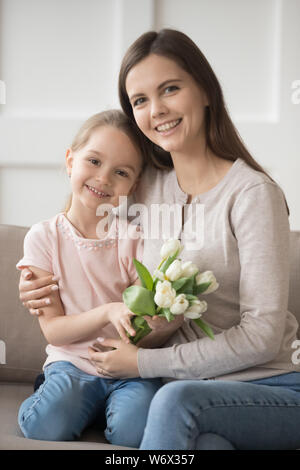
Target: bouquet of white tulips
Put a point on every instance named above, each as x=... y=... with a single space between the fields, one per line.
x=172 y=290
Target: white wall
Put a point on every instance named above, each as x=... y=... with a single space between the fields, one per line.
x=59 y=60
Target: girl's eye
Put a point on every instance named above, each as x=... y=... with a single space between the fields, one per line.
x=138 y=101
x=94 y=161
x=122 y=173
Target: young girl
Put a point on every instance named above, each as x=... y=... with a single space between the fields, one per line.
x=103 y=163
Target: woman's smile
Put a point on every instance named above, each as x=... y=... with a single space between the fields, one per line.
x=165 y=128
x=167 y=102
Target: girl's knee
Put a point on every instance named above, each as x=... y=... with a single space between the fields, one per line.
x=45 y=423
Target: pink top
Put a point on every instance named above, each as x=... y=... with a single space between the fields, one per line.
x=90 y=272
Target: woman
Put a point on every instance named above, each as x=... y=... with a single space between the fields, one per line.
x=241 y=390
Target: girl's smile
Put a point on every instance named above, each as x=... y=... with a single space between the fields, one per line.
x=97 y=193
x=106 y=167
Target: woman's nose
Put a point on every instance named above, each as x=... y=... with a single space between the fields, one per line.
x=158 y=108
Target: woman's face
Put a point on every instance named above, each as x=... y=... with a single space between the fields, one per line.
x=168 y=105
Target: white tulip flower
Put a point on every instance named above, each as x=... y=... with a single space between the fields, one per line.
x=180 y=305
x=160 y=275
x=207 y=276
x=170 y=247
x=165 y=294
x=188 y=269
x=174 y=270
x=196 y=309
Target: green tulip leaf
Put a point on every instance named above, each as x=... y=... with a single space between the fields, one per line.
x=201 y=288
x=144 y=275
x=191 y=297
x=139 y=300
x=141 y=327
x=188 y=287
x=179 y=283
x=204 y=327
x=169 y=261
x=165 y=312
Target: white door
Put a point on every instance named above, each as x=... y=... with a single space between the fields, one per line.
x=59 y=63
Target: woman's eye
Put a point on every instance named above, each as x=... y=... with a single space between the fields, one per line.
x=171 y=88
x=138 y=101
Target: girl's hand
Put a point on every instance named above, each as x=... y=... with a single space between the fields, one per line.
x=119 y=315
x=33 y=293
x=121 y=362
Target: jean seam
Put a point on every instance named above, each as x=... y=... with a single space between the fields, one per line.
x=30 y=410
x=193 y=427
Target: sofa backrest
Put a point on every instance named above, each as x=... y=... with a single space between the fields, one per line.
x=22 y=345
x=294 y=292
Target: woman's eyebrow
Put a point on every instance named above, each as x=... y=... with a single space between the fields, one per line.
x=164 y=83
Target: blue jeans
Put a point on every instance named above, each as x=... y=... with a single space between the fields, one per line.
x=69 y=400
x=212 y=414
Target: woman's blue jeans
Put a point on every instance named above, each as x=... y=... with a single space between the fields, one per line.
x=69 y=400
x=212 y=414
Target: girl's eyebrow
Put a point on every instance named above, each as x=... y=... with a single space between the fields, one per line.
x=132 y=168
x=136 y=95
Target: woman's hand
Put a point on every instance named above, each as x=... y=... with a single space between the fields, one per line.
x=33 y=293
x=162 y=330
x=120 y=316
x=121 y=362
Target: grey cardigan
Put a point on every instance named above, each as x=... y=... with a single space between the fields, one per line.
x=245 y=242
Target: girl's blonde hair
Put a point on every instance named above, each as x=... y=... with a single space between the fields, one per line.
x=114 y=118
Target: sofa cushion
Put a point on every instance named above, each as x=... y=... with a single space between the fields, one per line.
x=294 y=293
x=22 y=345
x=11 y=437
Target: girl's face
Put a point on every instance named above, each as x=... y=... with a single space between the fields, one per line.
x=168 y=105
x=106 y=167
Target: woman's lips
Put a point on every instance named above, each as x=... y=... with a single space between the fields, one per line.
x=168 y=126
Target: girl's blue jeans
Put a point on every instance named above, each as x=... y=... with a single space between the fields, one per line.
x=69 y=400
x=212 y=414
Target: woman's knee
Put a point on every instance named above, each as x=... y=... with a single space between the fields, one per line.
x=170 y=396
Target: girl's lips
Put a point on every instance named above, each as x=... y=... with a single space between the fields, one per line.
x=96 y=194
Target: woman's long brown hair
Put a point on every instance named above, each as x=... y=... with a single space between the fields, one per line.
x=222 y=137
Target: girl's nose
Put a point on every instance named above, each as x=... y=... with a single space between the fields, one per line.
x=158 y=108
x=103 y=176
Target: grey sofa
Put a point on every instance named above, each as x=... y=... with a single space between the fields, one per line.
x=22 y=347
